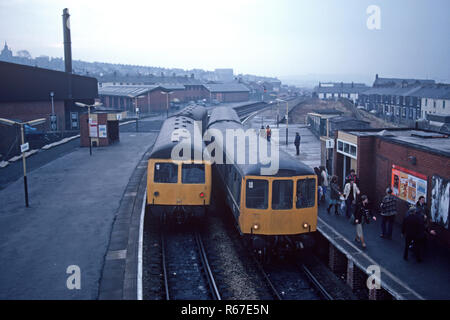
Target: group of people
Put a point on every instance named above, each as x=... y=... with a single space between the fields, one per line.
x=267 y=133
x=357 y=209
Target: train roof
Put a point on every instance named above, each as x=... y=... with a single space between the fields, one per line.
x=220 y=114
x=287 y=165
x=196 y=112
x=173 y=131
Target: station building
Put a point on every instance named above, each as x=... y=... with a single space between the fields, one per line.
x=324 y=124
x=412 y=162
x=25 y=94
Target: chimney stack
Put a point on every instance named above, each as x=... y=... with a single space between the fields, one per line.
x=67 y=41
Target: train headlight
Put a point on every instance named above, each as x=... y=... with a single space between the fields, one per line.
x=305 y=225
x=256 y=226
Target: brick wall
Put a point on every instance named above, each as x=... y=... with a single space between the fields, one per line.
x=389 y=153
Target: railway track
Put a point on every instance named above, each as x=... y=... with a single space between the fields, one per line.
x=186 y=270
x=292 y=281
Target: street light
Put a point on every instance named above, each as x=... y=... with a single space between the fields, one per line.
x=167 y=93
x=23 y=147
x=89 y=106
x=287 y=118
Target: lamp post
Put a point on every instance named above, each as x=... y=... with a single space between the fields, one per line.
x=89 y=106
x=287 y=113
x=23 y=147
x=287 y=121
x=167 y=93
x=53 y=117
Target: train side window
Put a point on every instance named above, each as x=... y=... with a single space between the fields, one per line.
x=165 y=173
x=257 y=194
x=282 y=191
x=306 y=193
x=193 y=173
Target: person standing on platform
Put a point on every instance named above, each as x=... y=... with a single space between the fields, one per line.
x=352 y=176
x=297 y=143
x=362 y=213
x=335 y=195
x=325 y=182
x=388 y=212
x=414 y=231
x=351 y=192
x=268 y=133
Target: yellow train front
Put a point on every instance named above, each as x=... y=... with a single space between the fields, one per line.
x=178 y=179
x=276 y=212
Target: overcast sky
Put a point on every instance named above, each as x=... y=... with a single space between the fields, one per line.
x=282 y=38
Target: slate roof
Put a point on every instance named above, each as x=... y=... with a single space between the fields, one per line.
x=226 y=87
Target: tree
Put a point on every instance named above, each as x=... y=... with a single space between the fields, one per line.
x=24 y=54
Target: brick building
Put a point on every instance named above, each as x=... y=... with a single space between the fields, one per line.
x=25 y=95
x=412 y=162
x=229 y=92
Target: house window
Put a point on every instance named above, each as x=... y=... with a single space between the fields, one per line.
x=434 y=104
x=443 y=104
x=426 y=102
x=404 y=113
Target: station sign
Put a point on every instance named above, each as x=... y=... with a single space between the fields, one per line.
x=329 y=143
x=24 y=147
x=93 y=128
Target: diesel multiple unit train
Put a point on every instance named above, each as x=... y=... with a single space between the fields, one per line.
x=273 y=211
x=180 y=189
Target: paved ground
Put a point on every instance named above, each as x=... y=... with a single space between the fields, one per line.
x=309 y=146
x=73 y=202
x=431 y=278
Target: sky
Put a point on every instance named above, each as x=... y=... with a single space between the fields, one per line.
x=288 y=39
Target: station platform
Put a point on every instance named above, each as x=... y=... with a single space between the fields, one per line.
x=74 y=201
x=429 y=279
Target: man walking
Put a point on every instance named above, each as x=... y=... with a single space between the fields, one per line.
x=297 y=143
x=388 y=212
x=351 y=192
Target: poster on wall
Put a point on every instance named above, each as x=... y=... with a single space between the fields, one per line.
x=102 y=131
x=440 y=201
x=408 y=185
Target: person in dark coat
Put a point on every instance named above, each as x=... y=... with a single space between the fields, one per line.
x=413 y=230
x=335 y=195
x=297 y=143
x=362 y=213
x=388 y=212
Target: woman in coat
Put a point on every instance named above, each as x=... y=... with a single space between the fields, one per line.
x=335 y=195
x=362 y=212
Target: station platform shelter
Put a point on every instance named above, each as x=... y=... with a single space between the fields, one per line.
x=102 y=128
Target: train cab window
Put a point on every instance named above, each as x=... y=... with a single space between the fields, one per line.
x=282 y=194
x=257 y=194
x=193 y=173
x=306 y=193
x=166 y=173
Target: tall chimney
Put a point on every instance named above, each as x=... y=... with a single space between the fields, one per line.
x=67 y=41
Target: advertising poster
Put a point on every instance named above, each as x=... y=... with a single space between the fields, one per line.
x=440 y=201
x=408 y=185
x=93 y=128
x=102 y=131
